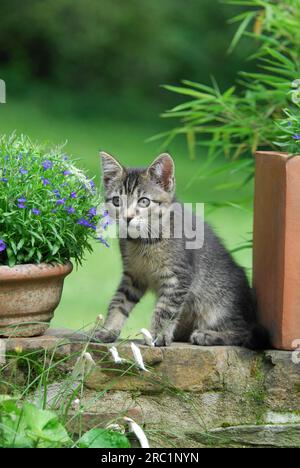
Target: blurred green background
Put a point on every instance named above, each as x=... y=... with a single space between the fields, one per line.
x=89 y=72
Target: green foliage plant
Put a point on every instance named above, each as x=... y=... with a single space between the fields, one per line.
x=48 y=207
x=288 y=138
x=238 y=121
x=27 y=426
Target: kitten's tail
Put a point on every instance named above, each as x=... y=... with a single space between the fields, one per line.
x=259 y=338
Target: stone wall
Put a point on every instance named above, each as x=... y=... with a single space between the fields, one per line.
x=192 y=396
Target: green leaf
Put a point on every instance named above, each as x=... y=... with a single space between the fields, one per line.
x=185 y=91
x=29 y=426
x=20 y=244
x=11 y=257
x=103 y=438
x=241 y=29
x=44 y=426
x=8 y=403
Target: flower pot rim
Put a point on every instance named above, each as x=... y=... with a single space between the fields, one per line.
x=29 y=271
x=276 y=153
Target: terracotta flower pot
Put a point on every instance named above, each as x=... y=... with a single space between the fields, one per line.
x=29 y=294
x=276 y=262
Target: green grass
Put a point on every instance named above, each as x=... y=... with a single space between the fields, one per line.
x=88 y=291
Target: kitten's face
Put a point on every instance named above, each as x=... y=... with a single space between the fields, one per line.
x=138 y=198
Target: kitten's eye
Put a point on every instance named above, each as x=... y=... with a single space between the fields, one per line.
x=116 y=201
x=144 y=202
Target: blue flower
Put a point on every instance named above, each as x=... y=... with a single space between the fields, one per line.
x=83 y=222
x=86 y=223
x=73 y=195
x=2 y=245
x=103 y=241
x=93 y=211
x=4 y=180
x=67 y=173
x=35 y=211
x=61 y=201
x=47 y=164
x=56 y=193
x=45 y=181
x=23 y=171
x=70 y=209
x=296 y=136
x=21 y=203
x=106 y=220
x=106 y=223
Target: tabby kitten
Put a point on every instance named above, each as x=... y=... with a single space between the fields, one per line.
x=202 y=294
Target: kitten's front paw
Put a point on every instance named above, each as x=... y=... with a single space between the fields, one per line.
x=207 y=338
x=164 y=338
x=107 y=336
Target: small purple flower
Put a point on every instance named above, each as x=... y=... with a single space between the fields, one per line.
x=83 y=222
x=21 y=203
x=92 y=184
x=67 y=173
x=23 y=171
x=93 y=211
x=73 y=195
x=296 y=136
x=86 y=223
x=103 y=241
x=4 y=180
x=106 y=220
x=56 y=193
x=106 y=223
x=61 y=201
x=47 y=164
x=45 y=181
x=35 y=211
x=70 y=209
x=2 y=245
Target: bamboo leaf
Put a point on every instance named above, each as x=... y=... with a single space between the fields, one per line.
x=240 y=31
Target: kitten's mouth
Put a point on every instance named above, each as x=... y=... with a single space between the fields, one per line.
x=133 y=230
x=137 y=230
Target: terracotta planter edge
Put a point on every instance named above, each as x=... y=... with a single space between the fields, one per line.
x=34 y=271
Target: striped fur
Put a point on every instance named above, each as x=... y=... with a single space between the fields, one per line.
x=202 y=295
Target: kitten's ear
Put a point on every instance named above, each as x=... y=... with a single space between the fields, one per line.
x=111 y=169
x=162 y=172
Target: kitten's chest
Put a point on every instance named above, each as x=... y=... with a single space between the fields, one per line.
x=149 y=264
